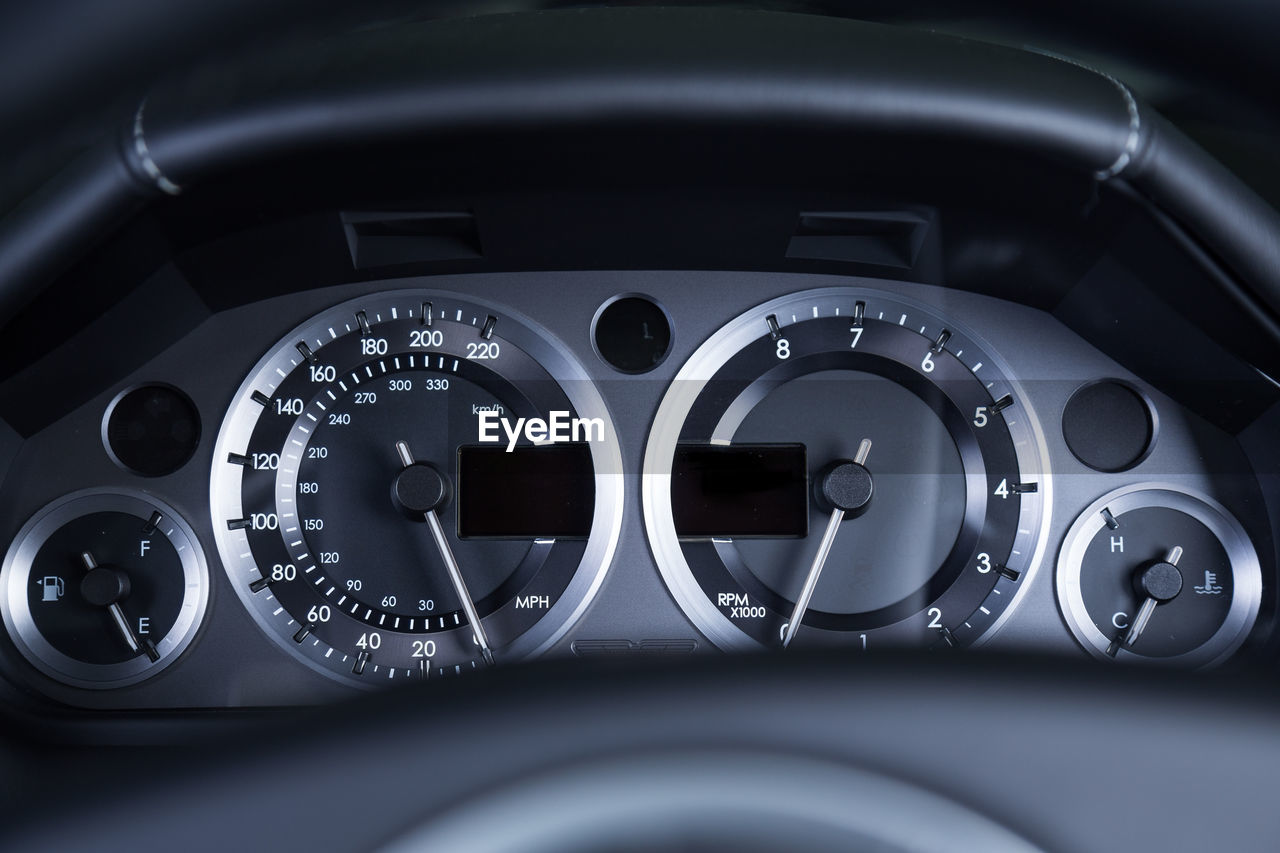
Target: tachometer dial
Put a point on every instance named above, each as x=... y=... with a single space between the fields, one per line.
x=843 y=466
x=412 y=485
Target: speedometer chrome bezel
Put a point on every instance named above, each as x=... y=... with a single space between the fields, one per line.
x=225 y=493
x=1028 y=438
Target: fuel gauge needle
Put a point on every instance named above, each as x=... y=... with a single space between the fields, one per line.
x=104 y=587
x=847 y=486
x=451 y=565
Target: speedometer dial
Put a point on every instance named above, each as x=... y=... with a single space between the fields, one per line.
x=842 y=466
x=375 y=516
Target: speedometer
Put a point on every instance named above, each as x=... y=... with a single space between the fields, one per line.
x=843 y=466
x=412 y=485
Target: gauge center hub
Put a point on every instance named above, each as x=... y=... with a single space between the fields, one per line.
x=104 y=586
x=419 y=489
x=847 y=486
x=1161 y=581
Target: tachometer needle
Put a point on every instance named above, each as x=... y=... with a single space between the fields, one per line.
x=856 y=499
x=451 y=565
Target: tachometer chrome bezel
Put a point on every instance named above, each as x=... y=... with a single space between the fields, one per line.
x=1028 y=437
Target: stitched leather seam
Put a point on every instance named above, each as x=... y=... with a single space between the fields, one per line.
x=149 y=165
x=1127 y=153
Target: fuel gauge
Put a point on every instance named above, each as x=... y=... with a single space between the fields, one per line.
x=102 y=589
x=1159 y=574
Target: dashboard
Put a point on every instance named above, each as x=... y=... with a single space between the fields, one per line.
x=327 y=487
x=668 y=427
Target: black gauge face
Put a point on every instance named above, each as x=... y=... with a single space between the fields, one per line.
x=141 y=573
x=911 y=435
x=1110 y=580
x=341 y=509
x=1158 y=574
x=342 y=488
x=104 y=589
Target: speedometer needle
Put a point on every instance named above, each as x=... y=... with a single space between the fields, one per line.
x=847 y=487
x=446 y=555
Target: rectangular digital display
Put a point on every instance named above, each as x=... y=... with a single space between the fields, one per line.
x=537 y=492
x=740 y=491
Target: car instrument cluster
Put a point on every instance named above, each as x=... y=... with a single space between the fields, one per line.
x=415 y=479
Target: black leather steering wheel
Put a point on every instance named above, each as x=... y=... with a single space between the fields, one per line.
x=801 y=751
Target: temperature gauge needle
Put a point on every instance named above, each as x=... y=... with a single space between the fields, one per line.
x=1159 y=582
x=446 y=555
x=105 y=587
x=847 y=486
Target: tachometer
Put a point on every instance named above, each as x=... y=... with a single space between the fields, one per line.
x=412 y=484
x=844 y=466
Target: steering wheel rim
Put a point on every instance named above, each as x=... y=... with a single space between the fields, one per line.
x=1061 y=755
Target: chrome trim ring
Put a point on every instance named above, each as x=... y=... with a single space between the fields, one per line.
x=1029 y=545
x=1245 y=570
x=16 y=570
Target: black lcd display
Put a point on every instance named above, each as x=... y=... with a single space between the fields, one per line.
x=545 y=491
x=740 y=491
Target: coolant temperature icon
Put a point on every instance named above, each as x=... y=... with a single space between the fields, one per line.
x=1211 y=586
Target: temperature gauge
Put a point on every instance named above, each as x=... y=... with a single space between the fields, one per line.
x=1156 y=573
x=103 y=589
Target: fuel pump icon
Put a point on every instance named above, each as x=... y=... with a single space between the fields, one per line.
x=53 y=588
